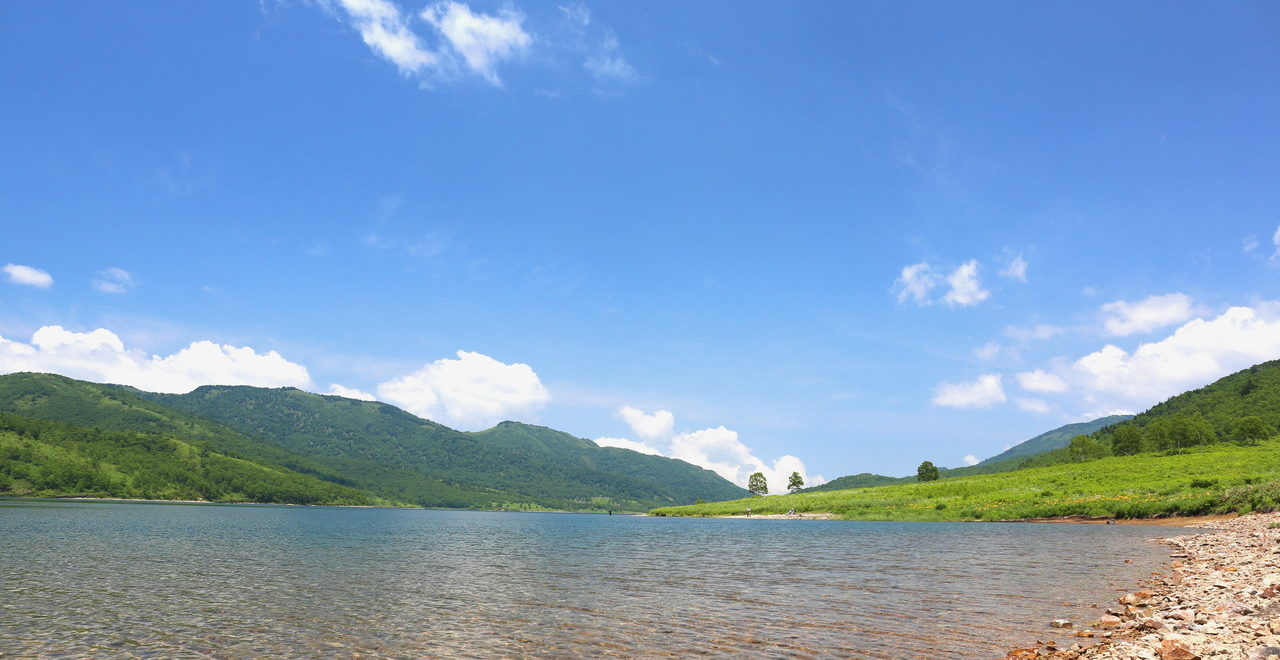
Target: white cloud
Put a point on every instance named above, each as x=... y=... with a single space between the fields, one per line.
x=1124 y=318
x=1195 y=355
x=657 y=426
x=1041 y=381
x=623 y=443
x=1275 y=240
x=472 y=392
x=717 y=449
x=915 y=283
x=350 y=393
x=480 y=39
x=966 y=290
x=100 y=356
x=970 y=459
x=385 y=31
x=29 y=276
x=113 y=280
x=1016 y=270
x=984 y=392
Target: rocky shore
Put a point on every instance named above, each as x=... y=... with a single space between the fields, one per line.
x=1221 y=600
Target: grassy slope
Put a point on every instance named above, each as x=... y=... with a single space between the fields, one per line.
x=1209 y=479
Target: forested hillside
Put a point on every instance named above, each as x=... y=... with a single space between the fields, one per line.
x=374 y=447
x=1243 y=407
x=43 y=458
x=509 y=463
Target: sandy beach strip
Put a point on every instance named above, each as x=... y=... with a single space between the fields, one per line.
x=1221 y=600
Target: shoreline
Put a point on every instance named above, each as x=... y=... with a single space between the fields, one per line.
x=1221 y=599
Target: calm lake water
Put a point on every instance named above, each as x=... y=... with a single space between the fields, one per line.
x=125 y=580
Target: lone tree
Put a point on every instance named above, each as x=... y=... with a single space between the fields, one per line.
x=796 y=482
x=1249 y=430
x=757 y=485
x=927 y=472
x=1126 y=441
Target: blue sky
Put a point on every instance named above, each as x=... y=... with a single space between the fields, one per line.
x=815 y=236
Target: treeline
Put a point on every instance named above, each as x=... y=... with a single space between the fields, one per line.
x=52 y=459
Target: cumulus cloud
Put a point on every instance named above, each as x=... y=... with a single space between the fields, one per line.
x=916 y=283
x=1016 y=270
x=966 y=289
x=1275 y=240
x=1041 y=381
x=717 y=449
x=650 y=427
x=480 y=39
x=1125 y=318
x=1196 y=354
x=350 y=393
x=970 y=459
x=28 y=276
x=101 y=356
x=472 y=392
x=984 y=392
x=113 y=280
x=623 y=443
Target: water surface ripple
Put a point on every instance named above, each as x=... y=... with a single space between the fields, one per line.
x=127 y=580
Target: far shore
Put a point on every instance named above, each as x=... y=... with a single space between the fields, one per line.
x=1165 y=521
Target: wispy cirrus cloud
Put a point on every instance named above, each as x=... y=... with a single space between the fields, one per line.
x=466 y=41
x=386 y=31
x=113 y=280
x=480 y=39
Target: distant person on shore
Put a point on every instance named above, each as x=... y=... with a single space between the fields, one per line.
x=748 y=512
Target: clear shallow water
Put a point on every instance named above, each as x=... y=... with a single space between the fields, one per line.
x=122 y=580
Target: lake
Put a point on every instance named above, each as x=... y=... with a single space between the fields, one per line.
x=133 y=580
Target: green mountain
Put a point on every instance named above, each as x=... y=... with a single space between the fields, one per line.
x=391 y=452
x=1211 y=450
x=1055 y=439
x=1212 y=413
x=378 y=448
x=1011 y=459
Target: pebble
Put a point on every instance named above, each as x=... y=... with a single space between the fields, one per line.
x=1222 y=601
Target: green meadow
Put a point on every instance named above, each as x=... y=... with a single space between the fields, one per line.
x=1217 y=478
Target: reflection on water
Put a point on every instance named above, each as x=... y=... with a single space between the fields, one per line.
x=116 y=580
